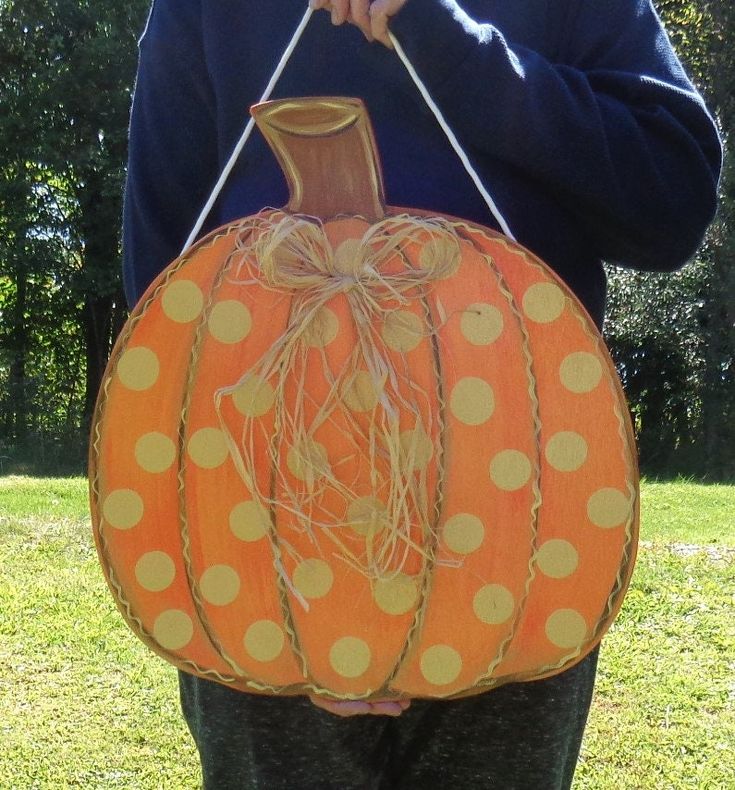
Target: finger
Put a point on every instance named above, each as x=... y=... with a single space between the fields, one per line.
x=346 y=708
x=387 y=708
x=360 y=16
x=342 y=708
x=379 y=23
x=317 y=5
x=340 y=11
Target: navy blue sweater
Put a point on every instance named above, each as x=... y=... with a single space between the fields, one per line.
x=576 y=113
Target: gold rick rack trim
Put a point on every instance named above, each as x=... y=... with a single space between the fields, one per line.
x=429 y=559
x=124 y=605
x=486 y=678
x=314 y=281
x=623 y=575
x=311 y=282
x=282 y=580
x=201 y=332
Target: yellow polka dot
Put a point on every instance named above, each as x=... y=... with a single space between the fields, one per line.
x=566 y=451
x=230 y=321
x=361 y=394
x=155 y=571
x=440 y=665
x=580 y=372
x=463 y=533
x=510 y=470
x=367 y=516
x=472 y=401
x=439 y=252
x=219 y=585
x=543 y=302
x=313 y=578
x=207 y=448
x=138 y=368
x=308 y=461
x=322 y=329
x=254 y=397
x=155 y=452
x=608 y=508
x=182 y=301
x=416 y=448
x=350 y=657
x=123 y=508
x=264 y=640
x=396 y=594
x=557 y=559
x=402 y=331
x=249 y=521
x=481 y=324
x=173 y=629
x=493 y=604
x=348 y=257
x=566 y=628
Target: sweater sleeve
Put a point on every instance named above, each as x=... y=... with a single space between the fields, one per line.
x=170 y=172
x=612 y=127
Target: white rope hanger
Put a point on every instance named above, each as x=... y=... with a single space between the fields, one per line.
x=224 y=175
x=486 y=196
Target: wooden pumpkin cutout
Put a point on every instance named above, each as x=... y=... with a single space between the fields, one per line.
x=351 y=450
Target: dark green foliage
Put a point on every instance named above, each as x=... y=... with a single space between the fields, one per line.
x=673 y=336
x=66 y=72
x=66 y=75
x=660 y=331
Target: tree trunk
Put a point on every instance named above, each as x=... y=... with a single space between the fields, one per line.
x=19 y=346
x=103 y=301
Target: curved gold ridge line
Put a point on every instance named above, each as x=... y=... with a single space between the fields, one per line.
x=266 y=219
x=126 y=609
x=487 y=679
x=285 y=599
x=188 y=665
x=598 y=629
x=246 y=227
x=624 y=569
x=416 y=628
x=286 y=611
x=280 y=116
x=623 y=574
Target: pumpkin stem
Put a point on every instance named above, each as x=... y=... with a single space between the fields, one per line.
x=327 y=152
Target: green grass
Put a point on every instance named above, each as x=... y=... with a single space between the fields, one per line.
x=664 y=712
x=47 y=499
x=83 y=703
x=685 y=512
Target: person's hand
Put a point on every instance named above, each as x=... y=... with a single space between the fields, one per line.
x=347 y=708
x=371 y=17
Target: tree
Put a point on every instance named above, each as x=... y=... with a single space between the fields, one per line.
x=673 y=336
x=66 y=76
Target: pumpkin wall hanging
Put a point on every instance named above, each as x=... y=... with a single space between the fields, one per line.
x=355 y=451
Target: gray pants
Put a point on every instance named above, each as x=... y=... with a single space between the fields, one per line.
x=522 y=736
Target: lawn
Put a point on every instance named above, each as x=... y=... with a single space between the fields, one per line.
x=83 y=704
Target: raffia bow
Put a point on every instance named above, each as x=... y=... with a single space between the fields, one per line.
x=377 y=274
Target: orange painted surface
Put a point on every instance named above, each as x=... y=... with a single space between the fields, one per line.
x=525 y=454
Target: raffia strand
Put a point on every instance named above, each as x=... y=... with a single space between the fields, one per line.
x=292 y=254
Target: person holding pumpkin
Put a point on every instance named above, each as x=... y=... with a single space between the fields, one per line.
x=580 y=118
